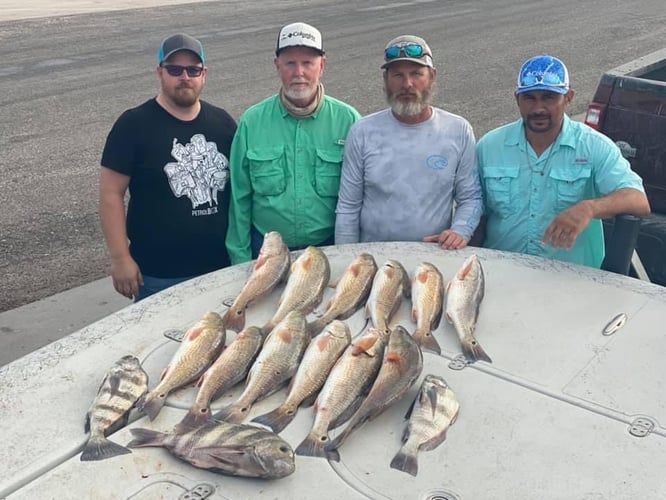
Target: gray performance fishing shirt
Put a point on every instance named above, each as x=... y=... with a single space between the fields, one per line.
x=401 y=182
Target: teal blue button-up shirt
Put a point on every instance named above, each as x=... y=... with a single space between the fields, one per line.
x=524 y=194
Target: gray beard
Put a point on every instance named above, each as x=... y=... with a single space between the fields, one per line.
x=409 y=108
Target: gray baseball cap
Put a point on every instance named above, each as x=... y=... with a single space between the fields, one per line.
x=180 y=41
x=408 y=48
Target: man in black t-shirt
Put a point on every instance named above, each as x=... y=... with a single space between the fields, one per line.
x=171 y=153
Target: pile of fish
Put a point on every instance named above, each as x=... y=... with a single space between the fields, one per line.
x=347 y=381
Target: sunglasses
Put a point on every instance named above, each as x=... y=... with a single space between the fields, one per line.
x=410 y=50
x=546 y=78
x=176 y=70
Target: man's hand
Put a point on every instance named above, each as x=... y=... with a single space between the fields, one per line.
x=566 y=227
x=126 y=277
x=448 y=240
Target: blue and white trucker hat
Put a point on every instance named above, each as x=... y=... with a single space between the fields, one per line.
x=543 y=72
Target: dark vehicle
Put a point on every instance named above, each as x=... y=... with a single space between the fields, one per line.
x=629 y=106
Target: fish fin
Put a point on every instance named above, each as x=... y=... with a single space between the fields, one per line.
x=474 y=352
x=427 y=341
x=462 y=274
x=152 y=403
x=364 y=345
x=193 y=333
x=86 y=423
x=234 y=413
x=433 y=443
x=315 y=327
x=100 y=448
x=405 y=462
x=260 y=262
x=196 y=417
x=315 y=446
x=411 y=407
x=277 y=419
x=437 y=319
x=234 y=318
x=309 y=401
x=145 y=437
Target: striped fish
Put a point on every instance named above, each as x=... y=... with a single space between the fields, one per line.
x=121 y=388
x=233 y=449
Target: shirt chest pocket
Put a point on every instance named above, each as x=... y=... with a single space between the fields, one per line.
x=501 y=188
x=328 y=164
x=572 y=185
x=267 y=170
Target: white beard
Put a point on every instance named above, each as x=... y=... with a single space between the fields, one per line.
x=300 y=94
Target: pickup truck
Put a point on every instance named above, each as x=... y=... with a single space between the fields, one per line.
x=629 y=106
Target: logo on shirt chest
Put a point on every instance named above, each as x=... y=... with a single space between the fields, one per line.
x=436 y=162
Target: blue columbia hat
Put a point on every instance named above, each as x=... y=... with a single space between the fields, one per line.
x=181 y=41
x=543 y=72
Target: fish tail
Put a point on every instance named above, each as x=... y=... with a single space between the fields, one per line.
x=277 y=419
x=315 y=445
x=266 y=329
x=234 y=318
x=316 y=326
x=427 y=340
x=233 y=413
x=406 y=462
x=152 y=404
x=100 y=448
x=474 y=352
x=196 y=417
x=332 y=447
x=145 y=437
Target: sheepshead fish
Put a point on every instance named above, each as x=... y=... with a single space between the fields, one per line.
x=344 y=389
x=434 y=410
x=228 y=369
x=121 y=388
x=233 y=449
x=310 y=273
x=427 y=304
x=464 y=294
x=351 y=292
x=390 y=284
x=270 y=268
x=201 y=345
x=318 y=360
x=401 y=367
x=277 y=362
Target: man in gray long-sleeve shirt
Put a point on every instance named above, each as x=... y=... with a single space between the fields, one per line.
x=404 y=168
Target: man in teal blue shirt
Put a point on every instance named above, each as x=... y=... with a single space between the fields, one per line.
x=547 y=180
x=286 y=155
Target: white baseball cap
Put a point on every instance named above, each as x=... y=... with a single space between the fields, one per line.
x=299 y=35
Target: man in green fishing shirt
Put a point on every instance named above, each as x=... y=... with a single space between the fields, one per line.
x=287 y=153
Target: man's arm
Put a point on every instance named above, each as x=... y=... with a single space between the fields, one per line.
x=468 y=198
x=124 y=270
x=350 y=197
x=566 y=227
x=240 y=205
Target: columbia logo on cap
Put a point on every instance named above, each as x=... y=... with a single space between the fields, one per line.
x=299 y=35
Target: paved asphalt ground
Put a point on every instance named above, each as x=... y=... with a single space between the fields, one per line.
x=59 y=104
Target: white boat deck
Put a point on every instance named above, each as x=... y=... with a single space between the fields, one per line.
x=562 y=412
